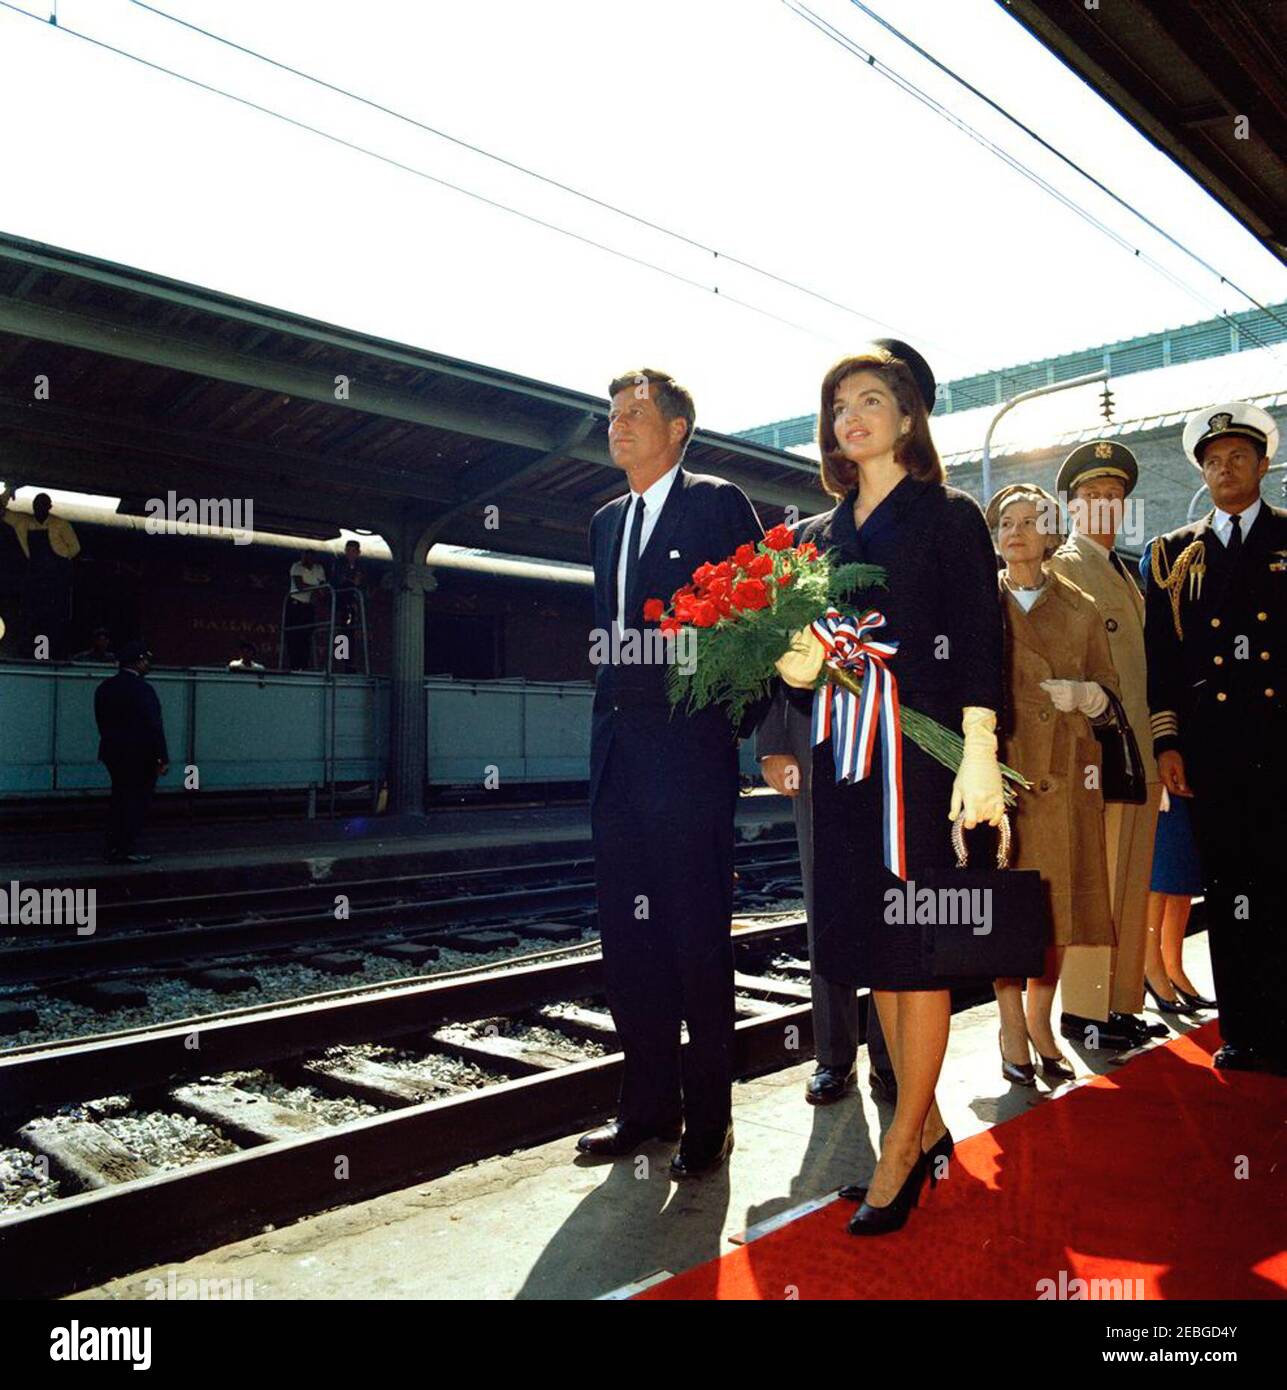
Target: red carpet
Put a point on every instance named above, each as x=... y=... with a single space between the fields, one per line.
x=1166 y=1171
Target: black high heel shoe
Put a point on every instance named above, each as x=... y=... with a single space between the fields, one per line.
x=879 y=1221
x=942 y=1147
x=1015 y=1073
x=1192 y=1001
x=1056 y=1068
x=1167 y=1006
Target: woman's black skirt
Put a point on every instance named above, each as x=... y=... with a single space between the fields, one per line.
x=854 y=939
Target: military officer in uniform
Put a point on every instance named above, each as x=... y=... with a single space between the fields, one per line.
x=1102 y=987
x=1216 y=633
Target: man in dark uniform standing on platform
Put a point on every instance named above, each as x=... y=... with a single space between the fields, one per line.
x=663 y=789
x=132 y=748
x=1216 y=634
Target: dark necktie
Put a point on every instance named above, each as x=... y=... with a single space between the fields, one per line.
x=632 y=558
x=1234 y=544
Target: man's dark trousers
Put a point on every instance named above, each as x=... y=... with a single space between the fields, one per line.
x=1239 y=825
x=662 y=825
x=132 y=785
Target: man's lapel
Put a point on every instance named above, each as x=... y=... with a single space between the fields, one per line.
x=659 y=543
x=612 y=532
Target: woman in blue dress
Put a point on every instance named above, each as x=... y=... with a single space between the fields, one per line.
x=1177 y=879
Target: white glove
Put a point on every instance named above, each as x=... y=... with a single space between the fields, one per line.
x=977 y=794
x=1086 y=697
x=801 y=663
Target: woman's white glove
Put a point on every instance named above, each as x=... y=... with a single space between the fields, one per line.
x=1086 y=697
x=977 y=795
x=801 y=663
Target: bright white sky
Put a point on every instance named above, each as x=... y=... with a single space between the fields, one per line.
x=732 y=121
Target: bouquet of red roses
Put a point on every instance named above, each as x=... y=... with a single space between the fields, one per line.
x=744 y=613
x=773 y=604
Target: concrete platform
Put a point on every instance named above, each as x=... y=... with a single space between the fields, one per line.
x=543 y=1224
x=278 y=853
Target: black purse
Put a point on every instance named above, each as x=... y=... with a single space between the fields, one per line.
x=988 y=923
x=1121 y=777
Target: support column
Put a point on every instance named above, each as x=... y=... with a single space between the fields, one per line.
x=407 y=735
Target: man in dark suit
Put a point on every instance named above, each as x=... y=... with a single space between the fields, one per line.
x=132 y=748
x=1216 y=636
x=663 y=789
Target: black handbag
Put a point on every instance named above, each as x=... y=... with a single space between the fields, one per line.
x=1121 y=777
x=987 y=924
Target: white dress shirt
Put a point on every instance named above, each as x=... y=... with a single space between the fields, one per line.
x=654 y=499
x=1223 y=527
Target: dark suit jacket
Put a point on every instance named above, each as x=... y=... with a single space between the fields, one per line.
x=128 y=714
x=1224 y=683
x=940 y=601
x=703 y=519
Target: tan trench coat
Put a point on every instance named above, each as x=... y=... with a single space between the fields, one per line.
x=1059 y=824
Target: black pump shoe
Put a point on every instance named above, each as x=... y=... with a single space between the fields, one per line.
x=1056 y=1069
x=1017 y=1074
x=879 y=1221
x=1166 y=1006
x=943 y=1147
x=1193 y=1001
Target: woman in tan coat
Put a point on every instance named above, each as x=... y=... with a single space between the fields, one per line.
x=1058 y=668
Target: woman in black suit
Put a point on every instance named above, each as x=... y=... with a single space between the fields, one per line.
x=942 y=607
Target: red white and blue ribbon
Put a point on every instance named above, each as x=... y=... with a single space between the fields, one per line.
x=851 y=721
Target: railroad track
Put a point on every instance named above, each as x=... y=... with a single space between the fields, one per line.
x=431 y=1074
x=395 y=927
x=135 y=934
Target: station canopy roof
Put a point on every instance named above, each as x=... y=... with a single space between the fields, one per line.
x=1182 y=71
x=155 y=385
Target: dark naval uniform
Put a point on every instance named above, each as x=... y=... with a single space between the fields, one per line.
x=1216 y=639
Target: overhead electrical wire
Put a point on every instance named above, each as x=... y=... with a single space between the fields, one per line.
x=524 y=169
x=1066 y=159
x=704 y=287
x=905 y=84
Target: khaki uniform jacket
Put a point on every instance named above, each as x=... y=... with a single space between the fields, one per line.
x=1059 y=823
x=1121 y=606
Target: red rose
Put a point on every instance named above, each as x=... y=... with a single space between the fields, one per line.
x=705 y=614
x=724 y=570
x=684 y=605
x=653 y=609
x=724 y=604
x=760 y=566
x=743 y=555
x=717 y=587
x=779 y=538
x=750 y=594
x=670 y=626
x=785 y=579
x=702 y=574
x=807 y=551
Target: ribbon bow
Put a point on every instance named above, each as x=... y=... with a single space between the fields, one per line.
x=851 y=720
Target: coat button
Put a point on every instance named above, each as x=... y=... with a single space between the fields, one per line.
x=1262 y=617
x=1269 y=694
x=1220 y=695
x=1045 y=714
x=1111 y=624
x=1264 y=656
x=1219 y=660
x=1215 y=622
x=1044 y=785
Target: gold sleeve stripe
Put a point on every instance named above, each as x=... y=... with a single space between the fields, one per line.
x=1163 y=723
